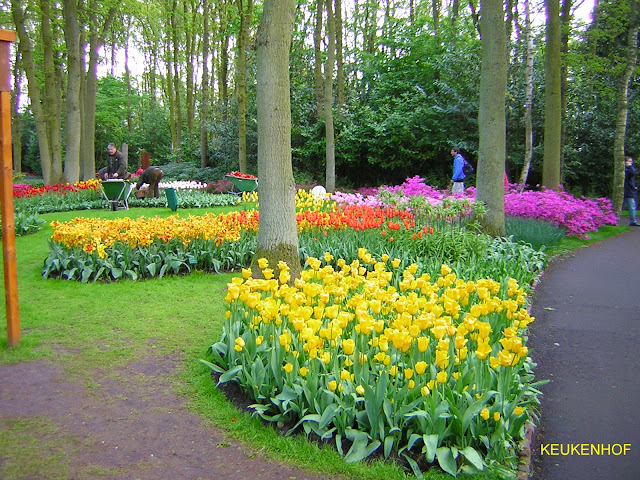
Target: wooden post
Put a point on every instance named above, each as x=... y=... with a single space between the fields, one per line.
x=6 y=193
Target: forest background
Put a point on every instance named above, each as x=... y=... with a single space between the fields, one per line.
x=177 y=79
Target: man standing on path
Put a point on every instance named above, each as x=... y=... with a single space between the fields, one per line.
x=116 y=165
x=630 y=191
x=457 y=180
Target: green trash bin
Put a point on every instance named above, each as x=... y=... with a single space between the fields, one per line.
x=172 y=199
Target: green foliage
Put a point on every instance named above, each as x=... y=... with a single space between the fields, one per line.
x=192 y=171
x=27 y=222
x=537 y=233
x=111 y=115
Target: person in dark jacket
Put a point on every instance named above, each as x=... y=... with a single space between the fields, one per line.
x=116 y=165
x=152 y=177
x=630 y=190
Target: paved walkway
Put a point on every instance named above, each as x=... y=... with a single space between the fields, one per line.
x=585 y=340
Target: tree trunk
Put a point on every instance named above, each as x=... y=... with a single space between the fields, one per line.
x=74 y=75
x=330 y=153
x=190 y=53
x=241 y=81
x=528 y=109
x=552 y=101
x=623 y=107
x=491 y=117
x=176 y=81
x=16 y=137
x=339 y=61
x=204 y=107
x=317 y=68
x=33 y=87
x=171 y=97
x=565 y=17
x=277 y=234
x=52 y=93
x=97 y=37
x=127 y=76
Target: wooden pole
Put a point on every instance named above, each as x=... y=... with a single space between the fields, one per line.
x=6 y=193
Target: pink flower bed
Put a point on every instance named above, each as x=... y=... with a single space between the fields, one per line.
x=578 y=215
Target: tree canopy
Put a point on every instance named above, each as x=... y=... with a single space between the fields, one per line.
x=406 y=78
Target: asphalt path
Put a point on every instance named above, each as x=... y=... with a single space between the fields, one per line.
x=585 y=340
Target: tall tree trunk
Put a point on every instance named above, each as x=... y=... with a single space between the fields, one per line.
x=339 y=61
x=552 y=103
x=491 y=116
x=52 y=93
x=277 y=234
x=455 y=12
x=528 y=108
x=127 y=76
x=317 y=60
x=223 y=72
x=565 y=18
x=16 y=137
x=190 y=46
x=177 y=84
x=97 y=38
x=33 y=87
x=328 y=102
x=168 y=85
x=435 y=11
x=623 y=107
x=74 y=76
x=241 y=80
x=204 y=107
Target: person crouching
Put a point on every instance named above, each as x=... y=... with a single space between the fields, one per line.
x=152 y=177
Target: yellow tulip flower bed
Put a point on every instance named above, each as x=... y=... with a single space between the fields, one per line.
x=384 y=360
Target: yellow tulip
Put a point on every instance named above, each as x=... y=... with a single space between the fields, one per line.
x=263 y=263
x=485 y=414
x=360 y=390
x=496 y=416
x=518 y=411
x=425 y=391
x=423 y=344
x=333 y=385
x=288 y=367
x=420 y=367
x=348 y=346
x=304 y=371
x=441 y=376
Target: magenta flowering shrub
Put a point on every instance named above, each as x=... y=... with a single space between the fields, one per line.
x=577 y=215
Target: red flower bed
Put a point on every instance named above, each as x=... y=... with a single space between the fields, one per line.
x=24 y=190
x=247 y=176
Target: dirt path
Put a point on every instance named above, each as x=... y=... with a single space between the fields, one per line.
x=132 y=428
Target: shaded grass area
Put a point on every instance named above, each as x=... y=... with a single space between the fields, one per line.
x=104 y=326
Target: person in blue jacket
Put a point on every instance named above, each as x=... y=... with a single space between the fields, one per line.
x=630 y=190
x=457 y=180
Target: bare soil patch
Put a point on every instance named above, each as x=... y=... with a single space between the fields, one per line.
x=132 y=427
